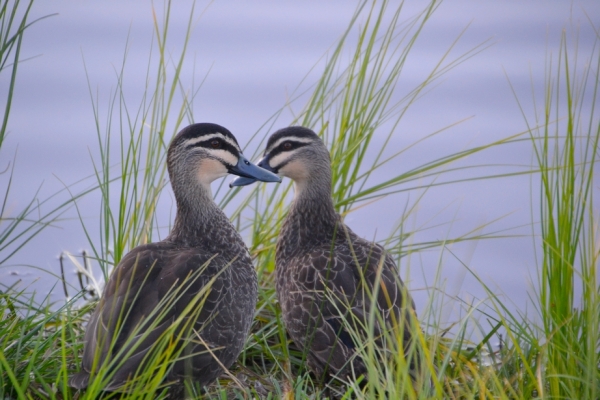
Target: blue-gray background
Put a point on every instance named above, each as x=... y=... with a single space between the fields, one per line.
x=254 y=54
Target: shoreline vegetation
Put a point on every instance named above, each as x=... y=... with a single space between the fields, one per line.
x=355 y=100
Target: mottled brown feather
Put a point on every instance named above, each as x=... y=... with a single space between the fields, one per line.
x=204 y=260
x=326 y=274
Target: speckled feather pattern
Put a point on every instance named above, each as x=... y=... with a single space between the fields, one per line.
x=324 y=271
x=202 y=242
x=142 y=280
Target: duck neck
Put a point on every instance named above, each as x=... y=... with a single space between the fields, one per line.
x=312 y=216
x=198 y=218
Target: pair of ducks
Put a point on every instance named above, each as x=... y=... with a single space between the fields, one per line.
x=326 y=274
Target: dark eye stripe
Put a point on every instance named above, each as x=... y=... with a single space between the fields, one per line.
x=189 y=140
x=279 y=149
x=207 y=144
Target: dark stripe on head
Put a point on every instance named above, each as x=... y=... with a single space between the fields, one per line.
x=292 y=131
x=194 y=134
x=290 y=139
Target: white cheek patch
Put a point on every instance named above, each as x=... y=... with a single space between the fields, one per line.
x=191 y=142
x=295 y=170
x=289 y=139
x=281 y=158
x=224 y=155
x=210 y=170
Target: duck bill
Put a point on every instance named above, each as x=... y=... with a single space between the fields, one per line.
x=243 y=180
x=249 y=173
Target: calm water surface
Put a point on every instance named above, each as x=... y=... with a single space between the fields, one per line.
x=253 y=56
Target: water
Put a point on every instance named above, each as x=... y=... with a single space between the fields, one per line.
x=257 y=54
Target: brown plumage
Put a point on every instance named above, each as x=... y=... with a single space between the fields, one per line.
x=326 y=274
x=203 y=257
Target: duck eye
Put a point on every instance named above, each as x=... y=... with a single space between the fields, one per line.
x=287 y=145
x=215 y=144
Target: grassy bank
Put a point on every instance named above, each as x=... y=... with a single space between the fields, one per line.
x=356 y=105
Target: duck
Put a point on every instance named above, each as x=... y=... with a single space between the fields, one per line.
x=152 y=287
x=327 y=277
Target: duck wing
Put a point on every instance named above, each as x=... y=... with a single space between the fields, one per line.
x=148 y=291
x=343 y=285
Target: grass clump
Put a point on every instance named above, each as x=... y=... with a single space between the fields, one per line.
x=39 y=346
x=566 y=150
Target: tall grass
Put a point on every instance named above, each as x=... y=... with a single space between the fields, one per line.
x=566 y=149
x=356 y=105
x=13 y=24
x=144 y=129
x=18 y=227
